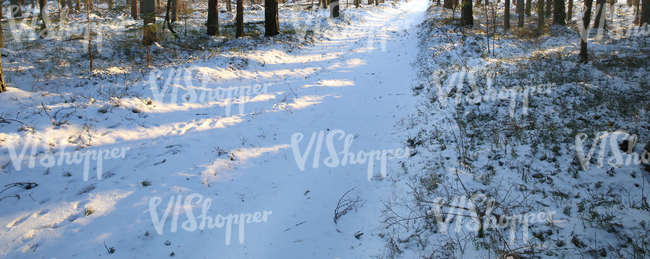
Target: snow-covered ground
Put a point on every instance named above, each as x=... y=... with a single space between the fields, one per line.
x=244 y=163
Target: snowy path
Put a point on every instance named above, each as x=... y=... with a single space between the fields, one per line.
x=338 y=84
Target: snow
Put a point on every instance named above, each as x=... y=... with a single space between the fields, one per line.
x=243 y=163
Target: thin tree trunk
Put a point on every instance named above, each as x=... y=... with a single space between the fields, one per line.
x=506 y=15
x=645 y=13
x=520 y=13
x=559 y=13
x=529 y=4
x=70 y=6
x=134 y=9
x=174 y=17
x=110 y=4
x=168 y=19
x=549 y=8
x=239 y=17
x=569 y=13
x=228 y=6
x=540 y=14
x=3 y=87
x=586 y=19
x=601 y=14
x=42 y=15
x=149 y=16
x=90 y=45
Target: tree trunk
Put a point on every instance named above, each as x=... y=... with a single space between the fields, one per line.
x=271 y=24
x=70 y=6
x=239 y=18
x=134 y=9
x=506 y=15
x=2 y=45
x=569 y=13
x=334 y=8
x=213 y=18
x=3 y=87
x=16 y=11
x=529 y=4
x=601 y=15
x=645 y=13
x=149 y=16
x=43 y=18
x=559 y=13
x=467 y=15
x=175 y=11
x=540 y=14
x=448 y=4
x=549 y=8
x=520 y=13
x=110 y=4
x=586 y=19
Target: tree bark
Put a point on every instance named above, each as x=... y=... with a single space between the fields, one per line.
x=70 y=6
x=506 y=15
x=645 y=13
x=569 y=13
x=529 y=4
x=271 y=24
x=586 y=19
x=228 y=6
x=467 y=14
x=134 y=9
x=448 y=4
x=174 y=17
x=520 y=13
x=540 y=14
x=110 y=4
x=3 y=87
x=601 y=14
x=43 y=18
x=213 y=18
x=549 y=8
x=239 y=18
x=149 y=16
x=559 y=13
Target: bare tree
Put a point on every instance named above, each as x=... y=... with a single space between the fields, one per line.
x=239 y=17
x=540 y=14
x=271 y=24
x=467 y=15
x=213 y=18
x=645 y=14
x=175 y=11
x=134 y=9
x=559 y=14
x=569 y=13
x=601 y=15
x=506 y=15
x=520 y=13
x=586 y=19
